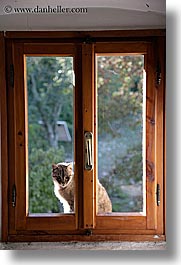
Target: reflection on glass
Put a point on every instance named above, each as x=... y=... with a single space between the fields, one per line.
x=50 y=133
x=120 y=95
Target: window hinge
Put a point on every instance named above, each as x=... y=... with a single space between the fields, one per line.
x=158 y=194
x=14 y=196
x=158 y=75
x=12 y=75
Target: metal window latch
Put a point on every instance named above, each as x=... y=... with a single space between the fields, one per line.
x=88 y=137
x=14 y=196
x=158 y=194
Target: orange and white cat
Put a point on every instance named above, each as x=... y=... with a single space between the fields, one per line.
x=64 y=189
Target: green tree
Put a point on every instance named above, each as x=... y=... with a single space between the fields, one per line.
x=120 y=83
x=120 y=103
x=50 y=97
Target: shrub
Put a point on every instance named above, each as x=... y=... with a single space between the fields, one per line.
x=129 y=167
x=41 y=188
x=127 y=171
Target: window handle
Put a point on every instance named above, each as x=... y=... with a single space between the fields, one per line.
x=88 y=136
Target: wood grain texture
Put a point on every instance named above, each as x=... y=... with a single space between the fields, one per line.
x=17 y=225
x=88 y=126
x=78 y=34
x=160 y=137
x=20 y=134
x=18 y=120
x=11 y=140
x=151 y=181
x=4 y=139
x=77 y=238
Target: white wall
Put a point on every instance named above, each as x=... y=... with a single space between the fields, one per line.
x=101 y=14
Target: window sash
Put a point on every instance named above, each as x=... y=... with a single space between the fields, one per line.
x=24 y=220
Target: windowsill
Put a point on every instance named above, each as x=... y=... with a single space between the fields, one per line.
x=85 y=246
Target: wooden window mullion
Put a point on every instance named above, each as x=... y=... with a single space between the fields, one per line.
x=88 y=126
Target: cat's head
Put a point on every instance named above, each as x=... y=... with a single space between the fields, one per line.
x=62 y=173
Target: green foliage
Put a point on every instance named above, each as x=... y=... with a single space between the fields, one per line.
x=129 y=167
x=50 y=98
x=120 y=82
x=120 y=97
x=41 y=188
x=127 y=171
x=123 y=167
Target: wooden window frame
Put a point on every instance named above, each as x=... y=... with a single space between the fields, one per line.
x=86 y=225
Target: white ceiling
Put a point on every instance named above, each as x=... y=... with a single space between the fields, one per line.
x=101 y=14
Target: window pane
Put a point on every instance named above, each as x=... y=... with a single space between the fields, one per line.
x=120 y=82
x=50 y=89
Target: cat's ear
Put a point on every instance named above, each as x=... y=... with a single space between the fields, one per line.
x=70 y=166
x=54 y=166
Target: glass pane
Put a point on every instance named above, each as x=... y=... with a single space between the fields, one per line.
x=120 y=82
x=50 y=90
